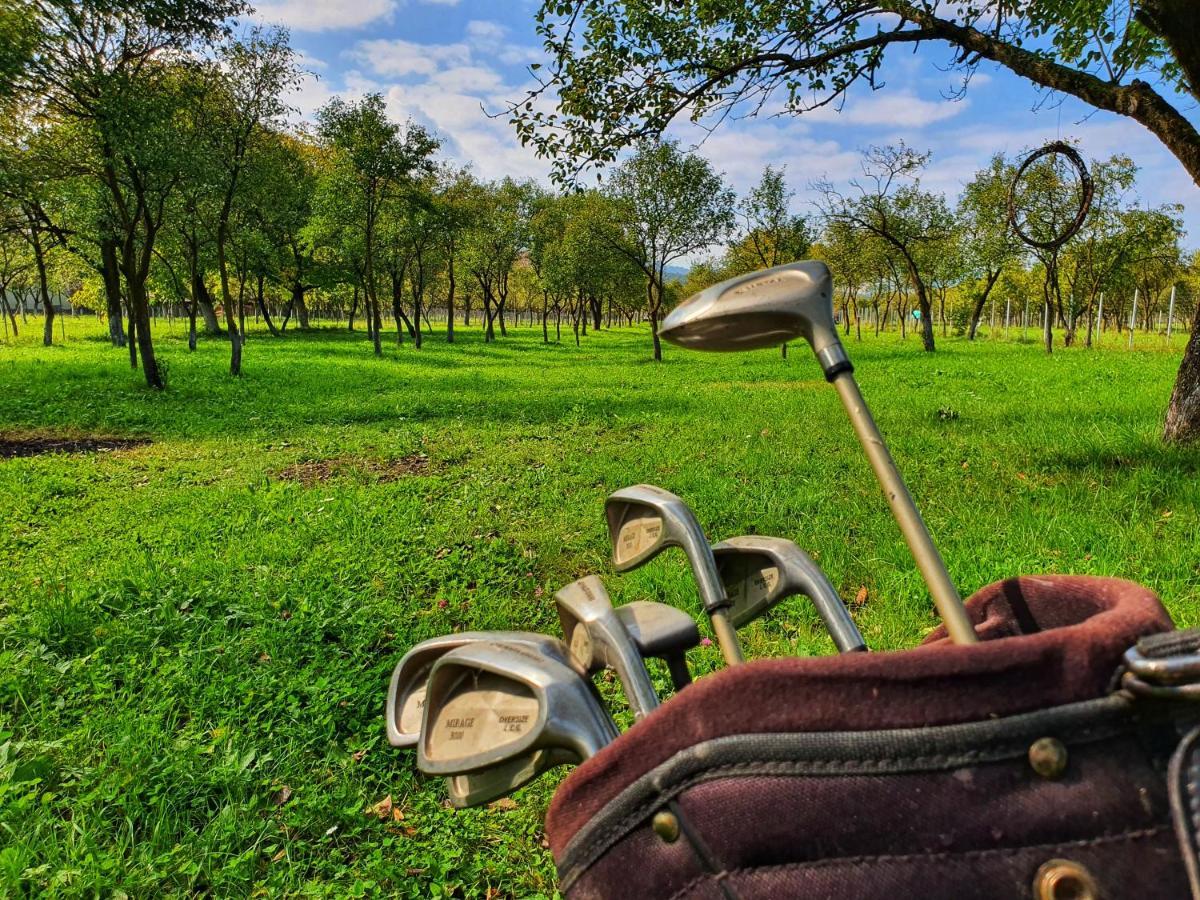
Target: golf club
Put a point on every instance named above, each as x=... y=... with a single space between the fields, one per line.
x=488 y=703
x=663 y=632
x=644 y=520
x=500 y=780
x=760 y=571
x=406 y=692
x=772 y=306
x=598 y=639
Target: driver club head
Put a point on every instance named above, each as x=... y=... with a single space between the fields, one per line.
x=663 y=632
x=762 y=309
x=598 y=639
x=489 y=702
x=760 y=571
x=406 y=691
x=644 y=520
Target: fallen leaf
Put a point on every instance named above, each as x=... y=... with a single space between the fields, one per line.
x=861 y=597
x=1022 y=476
x=397 y=814
x=358 y=755
x=283 y=795
x=264 y=657
x=381 y=810
x=278 y=856
x=1167 y=514
x=285 y=614
x=503 y=803
x=412 y=873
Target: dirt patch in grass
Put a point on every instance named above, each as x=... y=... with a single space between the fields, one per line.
x=320 y=470
x=13 y=446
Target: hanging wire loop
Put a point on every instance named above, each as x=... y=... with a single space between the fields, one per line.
x=1086 y=189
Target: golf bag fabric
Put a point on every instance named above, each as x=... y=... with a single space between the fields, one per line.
x=1022 y=766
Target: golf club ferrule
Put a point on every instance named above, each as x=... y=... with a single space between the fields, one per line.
x=834 y=361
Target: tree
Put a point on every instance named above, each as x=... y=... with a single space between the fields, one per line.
x=888 y=202
x=705 y=62
x=119 y=74
x=990 y=241
x=499 y=231
x=249 y=80
x=668 y=204
x=376 y=158
x=773 y=235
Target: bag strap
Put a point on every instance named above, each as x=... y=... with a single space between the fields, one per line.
x=1166 y=668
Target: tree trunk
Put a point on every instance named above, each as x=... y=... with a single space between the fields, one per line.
x=6 y=311
x=545 y=313
x=450 y=301
x=299 y=306
x=262 y=308
x=1183 y=412
x=141 y=314
x=376 y=321
x=133 y=347
x=39 y=257
x=204 y=301
x=353 y=310
x=112 y=290
x=992 y=278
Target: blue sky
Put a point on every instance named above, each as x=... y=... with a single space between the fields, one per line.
x=439 y=61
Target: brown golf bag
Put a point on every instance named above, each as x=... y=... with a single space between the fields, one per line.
x=1055 y=759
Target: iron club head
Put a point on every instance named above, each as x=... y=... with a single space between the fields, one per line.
x=500 y=780
x=406 y=691
x=489 y=702
x=644 y=520
x=761 y=571
x=663 y=632
x=598 y=639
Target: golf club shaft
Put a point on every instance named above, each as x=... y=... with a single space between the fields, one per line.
x=929 y=561
x=726 y=637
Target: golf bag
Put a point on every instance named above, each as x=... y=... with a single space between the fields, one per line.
x=1059 y=757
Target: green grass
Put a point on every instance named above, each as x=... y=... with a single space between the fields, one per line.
x=185 y=637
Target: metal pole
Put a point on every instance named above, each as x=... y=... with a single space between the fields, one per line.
x=1133 y=318
x=912 y=526
x=1170 y=313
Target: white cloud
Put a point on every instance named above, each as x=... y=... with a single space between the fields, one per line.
x=901 y=109
x=397 y=58
x=486 y=35
x=323 y=15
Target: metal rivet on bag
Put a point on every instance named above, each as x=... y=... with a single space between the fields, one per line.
x=666 y=826
x=1061 y=879
x=1048 y=757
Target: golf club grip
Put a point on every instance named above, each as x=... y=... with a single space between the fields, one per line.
x=912 y=526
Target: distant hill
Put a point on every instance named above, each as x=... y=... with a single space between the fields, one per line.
x=676 y=273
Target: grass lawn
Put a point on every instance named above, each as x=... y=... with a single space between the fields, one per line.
x=196 y=633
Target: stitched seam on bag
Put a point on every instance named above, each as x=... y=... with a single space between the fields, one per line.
x=965 y=855
x=798 y=769
x=581 y=856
